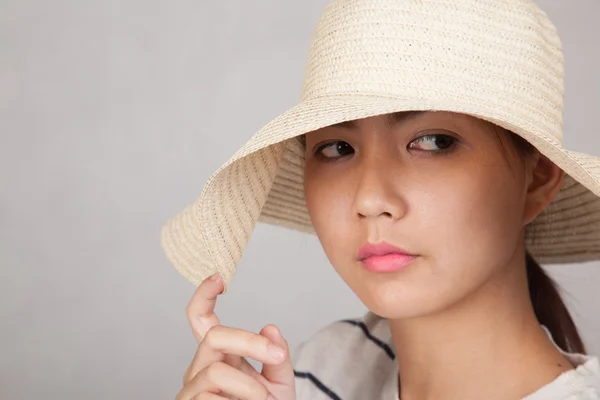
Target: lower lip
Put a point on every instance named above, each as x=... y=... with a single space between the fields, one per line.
x=387 y=263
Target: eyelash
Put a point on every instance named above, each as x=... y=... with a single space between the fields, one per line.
x=435 y=153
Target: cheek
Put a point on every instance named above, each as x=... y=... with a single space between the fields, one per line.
x=467 y=227
x=470 y=221
x=328 y=202
x=330 y=194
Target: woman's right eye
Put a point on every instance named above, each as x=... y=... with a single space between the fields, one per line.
x=333 y=150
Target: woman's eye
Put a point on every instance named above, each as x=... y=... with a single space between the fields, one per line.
x=334 y=150
x=434 y=143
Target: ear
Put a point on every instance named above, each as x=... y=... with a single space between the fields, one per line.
x=544 y=180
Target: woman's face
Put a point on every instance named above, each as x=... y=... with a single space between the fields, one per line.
x=446 y=187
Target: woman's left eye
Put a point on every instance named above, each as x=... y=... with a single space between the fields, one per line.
x=434 y=143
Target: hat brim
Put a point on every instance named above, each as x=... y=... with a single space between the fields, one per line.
x=263 y=181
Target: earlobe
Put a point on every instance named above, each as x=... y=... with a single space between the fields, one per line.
x=544 y=183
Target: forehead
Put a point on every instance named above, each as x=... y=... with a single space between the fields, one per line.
x=392 y=119
x=453 y=120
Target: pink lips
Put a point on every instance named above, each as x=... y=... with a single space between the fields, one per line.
x=384 y=257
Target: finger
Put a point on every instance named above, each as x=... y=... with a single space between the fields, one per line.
x=220 y=378
x=221 y=340
x=201 y=316
x=283 y=372
x=236 y=362
x=200 y=310
x=208 y=396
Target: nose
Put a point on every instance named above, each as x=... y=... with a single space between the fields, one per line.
x=378 y=190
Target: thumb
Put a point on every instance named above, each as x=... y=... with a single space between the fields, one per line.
x=282 y=373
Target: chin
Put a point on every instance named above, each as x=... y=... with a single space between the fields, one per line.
x=394 y=300
x=395 y=312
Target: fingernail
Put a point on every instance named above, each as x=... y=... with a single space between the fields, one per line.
x=215 y=277
x=275 y=352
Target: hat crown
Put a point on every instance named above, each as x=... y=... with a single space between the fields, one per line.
x=506 y=53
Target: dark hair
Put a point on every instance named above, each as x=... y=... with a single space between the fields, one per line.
x=544 y=292
x=548 y=305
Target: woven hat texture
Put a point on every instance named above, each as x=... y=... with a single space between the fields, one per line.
x=498 y=60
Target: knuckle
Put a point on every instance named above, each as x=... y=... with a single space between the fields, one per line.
x=181 y=394
x=206 y=396
x=214 y=371
x=189 y=311
x=212 y=334
x=258 y=391
x=186 y=376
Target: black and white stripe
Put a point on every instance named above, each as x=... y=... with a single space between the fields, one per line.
x=328 y=392
x=325 y=359
x=384 y=346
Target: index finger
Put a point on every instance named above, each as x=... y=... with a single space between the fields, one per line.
x=200 y=310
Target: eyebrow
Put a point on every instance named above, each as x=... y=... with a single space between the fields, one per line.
x=392 y=119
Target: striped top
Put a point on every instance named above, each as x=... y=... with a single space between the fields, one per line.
x=354 y=359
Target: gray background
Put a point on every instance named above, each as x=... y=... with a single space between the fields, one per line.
x=112 y=116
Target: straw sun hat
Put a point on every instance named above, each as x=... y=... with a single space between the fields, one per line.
x=498 y=60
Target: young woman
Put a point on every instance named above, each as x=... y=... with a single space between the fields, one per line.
x=426 y=156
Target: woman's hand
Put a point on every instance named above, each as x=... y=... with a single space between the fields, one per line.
x=219 y=369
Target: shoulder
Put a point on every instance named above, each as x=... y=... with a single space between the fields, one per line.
x=580 y=383
x=345 y=359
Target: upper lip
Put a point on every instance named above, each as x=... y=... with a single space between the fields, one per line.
x=379 y=249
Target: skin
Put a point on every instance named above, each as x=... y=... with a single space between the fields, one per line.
x=460 y=315
x=463 y=302
x=219 y=369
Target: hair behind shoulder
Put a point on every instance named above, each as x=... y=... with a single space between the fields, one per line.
x=550 y=308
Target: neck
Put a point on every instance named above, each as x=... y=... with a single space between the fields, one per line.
x=490 y=345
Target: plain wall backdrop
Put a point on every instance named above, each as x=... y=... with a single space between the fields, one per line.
x=113 y=114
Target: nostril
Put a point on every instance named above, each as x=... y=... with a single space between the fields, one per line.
x=384 y=214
